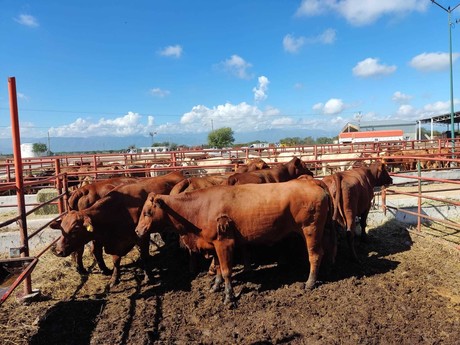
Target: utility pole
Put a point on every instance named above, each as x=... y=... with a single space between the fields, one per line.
x=449 y=10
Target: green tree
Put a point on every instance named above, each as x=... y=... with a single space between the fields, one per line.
x=291 y=141
x=39 y=148
x=221 y=137
x=308 y=141
x=324 y=140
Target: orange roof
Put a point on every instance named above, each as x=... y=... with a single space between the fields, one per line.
x=372 y=134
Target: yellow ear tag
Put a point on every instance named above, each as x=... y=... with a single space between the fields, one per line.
x=89 y=228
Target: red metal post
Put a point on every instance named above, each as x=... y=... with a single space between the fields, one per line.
x=18 y=176
x=57 y=169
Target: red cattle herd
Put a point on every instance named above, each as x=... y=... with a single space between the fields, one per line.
x=216 y=215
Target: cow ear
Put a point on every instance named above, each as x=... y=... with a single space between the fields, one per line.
x=160 y=202
x=56 y=224
x=87 y=224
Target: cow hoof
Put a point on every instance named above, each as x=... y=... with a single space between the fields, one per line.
x=230 y=304
x=82 y=271
x=107 y=272
x=310 y=285
x=113 y=283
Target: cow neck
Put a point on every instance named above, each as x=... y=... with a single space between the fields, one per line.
x=182 y=224
x=105 y=210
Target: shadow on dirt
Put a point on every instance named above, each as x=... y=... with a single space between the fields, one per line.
x=84 y=319
x=285 y=263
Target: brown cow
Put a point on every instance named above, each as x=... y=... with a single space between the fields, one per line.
x=252 y=165
x=280 y=173
x=84 y=197
x=352 y=192
x=194 y=183
x=111 y=221
x=216 y=219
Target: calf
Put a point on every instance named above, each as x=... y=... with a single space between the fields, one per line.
x=352 y=192
x=216 y=219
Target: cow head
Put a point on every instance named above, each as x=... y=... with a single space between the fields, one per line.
x=382 y=177
x=151 y=215
x=300 y=167
x=76 y=229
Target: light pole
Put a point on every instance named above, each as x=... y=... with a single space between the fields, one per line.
x=449 y=10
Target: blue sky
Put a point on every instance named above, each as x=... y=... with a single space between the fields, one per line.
x=123 y=68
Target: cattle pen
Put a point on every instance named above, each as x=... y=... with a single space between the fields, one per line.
x=422 y=202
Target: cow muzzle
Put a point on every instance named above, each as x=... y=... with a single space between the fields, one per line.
x=56 y=251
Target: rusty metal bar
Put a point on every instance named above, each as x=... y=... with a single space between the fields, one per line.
x=18 y=174
x=44 y=226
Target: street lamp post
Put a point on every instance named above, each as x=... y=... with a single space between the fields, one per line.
x=449 y=10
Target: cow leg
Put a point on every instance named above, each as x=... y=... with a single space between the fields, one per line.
x=350 y=219
x=224 y=251
x=351 y=244
x=144 y=246
x=77 y=256
x=96 y=249
x=218 y=279
x=245 y=253
x=363 y=224
x=115 y=279
x=212 y=267
x=315 y=253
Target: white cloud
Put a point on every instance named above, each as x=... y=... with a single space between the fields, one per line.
x=293 y=44
x=405 y=110
x=327 y=37
x=331 y=107
x=359 y=12
x=237 y=66
x=399 y=97
x=283 y=121
x=371 y=67
x=240 y=117
x=260 y=91
x=157 y=92
x=27 y=20
x=22 y=96
x=171 y=51
x=129 y=124
x=428 y=62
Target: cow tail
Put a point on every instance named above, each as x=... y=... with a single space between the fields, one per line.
x=338 y=202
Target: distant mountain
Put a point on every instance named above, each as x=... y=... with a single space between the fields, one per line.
x=74 y=144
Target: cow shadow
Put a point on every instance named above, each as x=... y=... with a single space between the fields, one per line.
x=287 y=263
x=169 y=266
x=80 y=316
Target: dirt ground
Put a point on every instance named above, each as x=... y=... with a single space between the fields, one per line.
x=405 y=291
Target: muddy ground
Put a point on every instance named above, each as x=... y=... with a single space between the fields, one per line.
x=405 y=291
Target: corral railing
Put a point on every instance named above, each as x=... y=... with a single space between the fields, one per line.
x=323 y=160
x=437 y=189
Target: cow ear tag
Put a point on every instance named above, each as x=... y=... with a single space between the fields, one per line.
x=89 y=228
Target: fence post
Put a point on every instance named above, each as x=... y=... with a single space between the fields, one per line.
x=18 y=172
x=57 y=169
x=419 y=202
